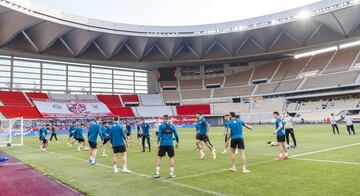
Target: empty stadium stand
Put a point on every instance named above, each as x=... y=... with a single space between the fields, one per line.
x=124 y=112
x=238 y=79
x=171 y=96
x=27 y=112
x=331 y=80
x=342 y=60
x=191 y=84
x=318 y=62
x=37 y=95
x=154 y=111
x=265 y=71
x=10 y=98
x=130 y=99
x=234 y=91
x=195 y=94
x=151 y=100
x=110 y=100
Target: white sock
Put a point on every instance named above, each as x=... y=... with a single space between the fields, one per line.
x=244 y=167
x=115 y=167
x=124 y=167
x=172 y=169
x=280 y=154
x=201 y=151
x=157 y=170
x=286 y=154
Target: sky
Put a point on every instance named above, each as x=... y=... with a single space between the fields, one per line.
x=172 y=12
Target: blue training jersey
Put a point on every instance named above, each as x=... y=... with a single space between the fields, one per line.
x=128 y=129
x=236 y=127
x=42 y=133
x=202 y=126
x=145 y=129
x=78 y=133
x=165 y=136
x=94 y=131
x=226 y=125
x=277 y=124
x=138 y=127
x=72 y=129
x=117 y=135
x=105 y=133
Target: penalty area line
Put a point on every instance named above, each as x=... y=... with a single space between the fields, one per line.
x=140 y=174
x=268 y=161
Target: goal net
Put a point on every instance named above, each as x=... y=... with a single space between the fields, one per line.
x=11 y=132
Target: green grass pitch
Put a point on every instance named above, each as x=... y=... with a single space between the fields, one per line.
x=318 y=167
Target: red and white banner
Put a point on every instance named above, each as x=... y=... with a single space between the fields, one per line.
x=71 y=109
x=182 y=120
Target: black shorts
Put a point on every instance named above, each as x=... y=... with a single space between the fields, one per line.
x=44 y=141
x=80 y=139
x=202 y=137
x=225 y=138
x=280 y=138
x=128 y=134
x=166 y=149
x=289 y=130
x=156 y=133
x=105 y=141
x=119 y=149
x=93 y=145
x=70 y=135
x=237 y=143
x=139 y=135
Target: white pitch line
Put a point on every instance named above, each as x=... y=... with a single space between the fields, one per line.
x=142 y=175
x=329 y=161
x=268 y=161
x=324 y=150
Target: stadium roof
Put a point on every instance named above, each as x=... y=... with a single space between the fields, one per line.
x=30 y=30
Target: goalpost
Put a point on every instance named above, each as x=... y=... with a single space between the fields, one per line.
x=12 y=132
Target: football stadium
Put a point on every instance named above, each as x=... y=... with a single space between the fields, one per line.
x=267 y=104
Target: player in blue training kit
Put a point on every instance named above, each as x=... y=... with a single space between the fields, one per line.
x=128 y=132
x=93 y=133
x=202 y=135
x=119 y=144
x=42 y=137
x=226 y=119
x=145 y=134
x=280 y=136
x=78 y=136
x=236 y=139
x=71 y=139
x=166 y=145
x=139 y=133
x=105 y=137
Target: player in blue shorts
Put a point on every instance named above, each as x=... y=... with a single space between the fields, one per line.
x=280 y=136
x=105 y=137
x=119 y=144
x=42 y=137
x=236 y=139
x=128 y=132
x=71 y=139
x=139 y=133
x=78 y=136
x=93 y=133
x=165 y=145
x=202 y=135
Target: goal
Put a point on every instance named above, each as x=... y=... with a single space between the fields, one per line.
x=12 y=132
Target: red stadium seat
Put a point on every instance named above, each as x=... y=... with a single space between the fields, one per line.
x=192 y=109
x=15 y=111
x=132 y=98
x=9 y=98
x=122 y=111
x=110 y=100
x=35 y=95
